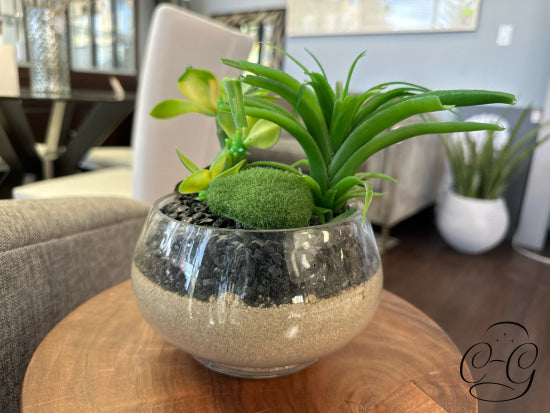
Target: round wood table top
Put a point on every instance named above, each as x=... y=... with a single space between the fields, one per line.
x=105 y=357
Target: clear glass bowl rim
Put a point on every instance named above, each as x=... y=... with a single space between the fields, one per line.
x=353 y=202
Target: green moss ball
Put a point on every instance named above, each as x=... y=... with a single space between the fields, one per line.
x=263 y=198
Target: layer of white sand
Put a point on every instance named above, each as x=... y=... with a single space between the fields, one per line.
x=228 y=331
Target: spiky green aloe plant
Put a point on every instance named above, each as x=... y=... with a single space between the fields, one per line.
x=480 y=170
x=339 y=130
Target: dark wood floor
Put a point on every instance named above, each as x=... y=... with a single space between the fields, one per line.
x=466 y=294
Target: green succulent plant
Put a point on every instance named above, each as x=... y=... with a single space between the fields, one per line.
x=337 y=130
x=204 y=94
x=480 y=170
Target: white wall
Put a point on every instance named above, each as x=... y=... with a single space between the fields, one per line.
x=534 y=220
x=436 y=60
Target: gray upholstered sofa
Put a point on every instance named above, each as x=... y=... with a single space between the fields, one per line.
x=54 y=255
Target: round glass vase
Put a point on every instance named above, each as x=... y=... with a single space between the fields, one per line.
x=256 y=303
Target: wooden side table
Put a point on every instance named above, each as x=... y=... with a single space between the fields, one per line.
x=105 y=357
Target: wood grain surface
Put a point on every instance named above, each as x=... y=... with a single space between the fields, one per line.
x=465 y=294
x=105 y=357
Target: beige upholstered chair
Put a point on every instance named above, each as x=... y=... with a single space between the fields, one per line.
x=54 y=255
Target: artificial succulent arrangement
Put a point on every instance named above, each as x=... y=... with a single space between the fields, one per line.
x=338 y=130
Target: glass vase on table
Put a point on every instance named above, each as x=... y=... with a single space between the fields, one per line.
x=48 y=53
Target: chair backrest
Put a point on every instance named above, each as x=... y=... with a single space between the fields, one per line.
x=177 y=39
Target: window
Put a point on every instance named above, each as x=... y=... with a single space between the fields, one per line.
x=12 y=28
x=101 y=34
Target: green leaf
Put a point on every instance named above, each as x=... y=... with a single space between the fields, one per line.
x=321 y=212
x=368 y=199
x=201 y=87
x=195 y=182
x=236 y=102
x=314 y=187
x=300 y=95
x=352 y=160
x=339 y=91
x=461 y=97
x=278 y=165
x=343 y=215
x=187 y=162
x=343 y=186
x=346 y=88
x=218 y=166
x=329 y=197
x=368 y=175
x=233 y=170
x=324 y=94
x=515 y=129
x=520 y=155
x=380 y=121
x=318 y=63
x=225 y=120
x=220 y=133
x=290 y=89
x=379 y=100
x=306 y=141
x=263 y=134
x=301 y=162
x=367 y=193
x=342 y=119
x=174 y=107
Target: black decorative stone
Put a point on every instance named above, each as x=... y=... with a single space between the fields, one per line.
x=251 y=264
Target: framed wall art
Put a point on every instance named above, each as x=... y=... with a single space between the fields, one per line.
x=333 y=17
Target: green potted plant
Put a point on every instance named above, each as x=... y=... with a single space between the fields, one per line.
x=258 y=268
x=472 y=216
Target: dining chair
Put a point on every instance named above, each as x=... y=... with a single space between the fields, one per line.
x=177 y=39
x=100 y=157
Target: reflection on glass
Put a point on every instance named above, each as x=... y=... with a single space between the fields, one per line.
x=125 y=49
x=81 y=42
x=101 y=33
x=113 y=35
x=102 y=24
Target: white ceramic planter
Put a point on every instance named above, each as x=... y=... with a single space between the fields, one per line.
x=471 y=225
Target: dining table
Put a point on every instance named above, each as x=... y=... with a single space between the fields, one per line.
x=18 y=144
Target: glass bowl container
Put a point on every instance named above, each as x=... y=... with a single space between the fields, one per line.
x=256 y=303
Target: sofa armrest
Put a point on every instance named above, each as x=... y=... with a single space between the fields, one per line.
x=54 y=255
